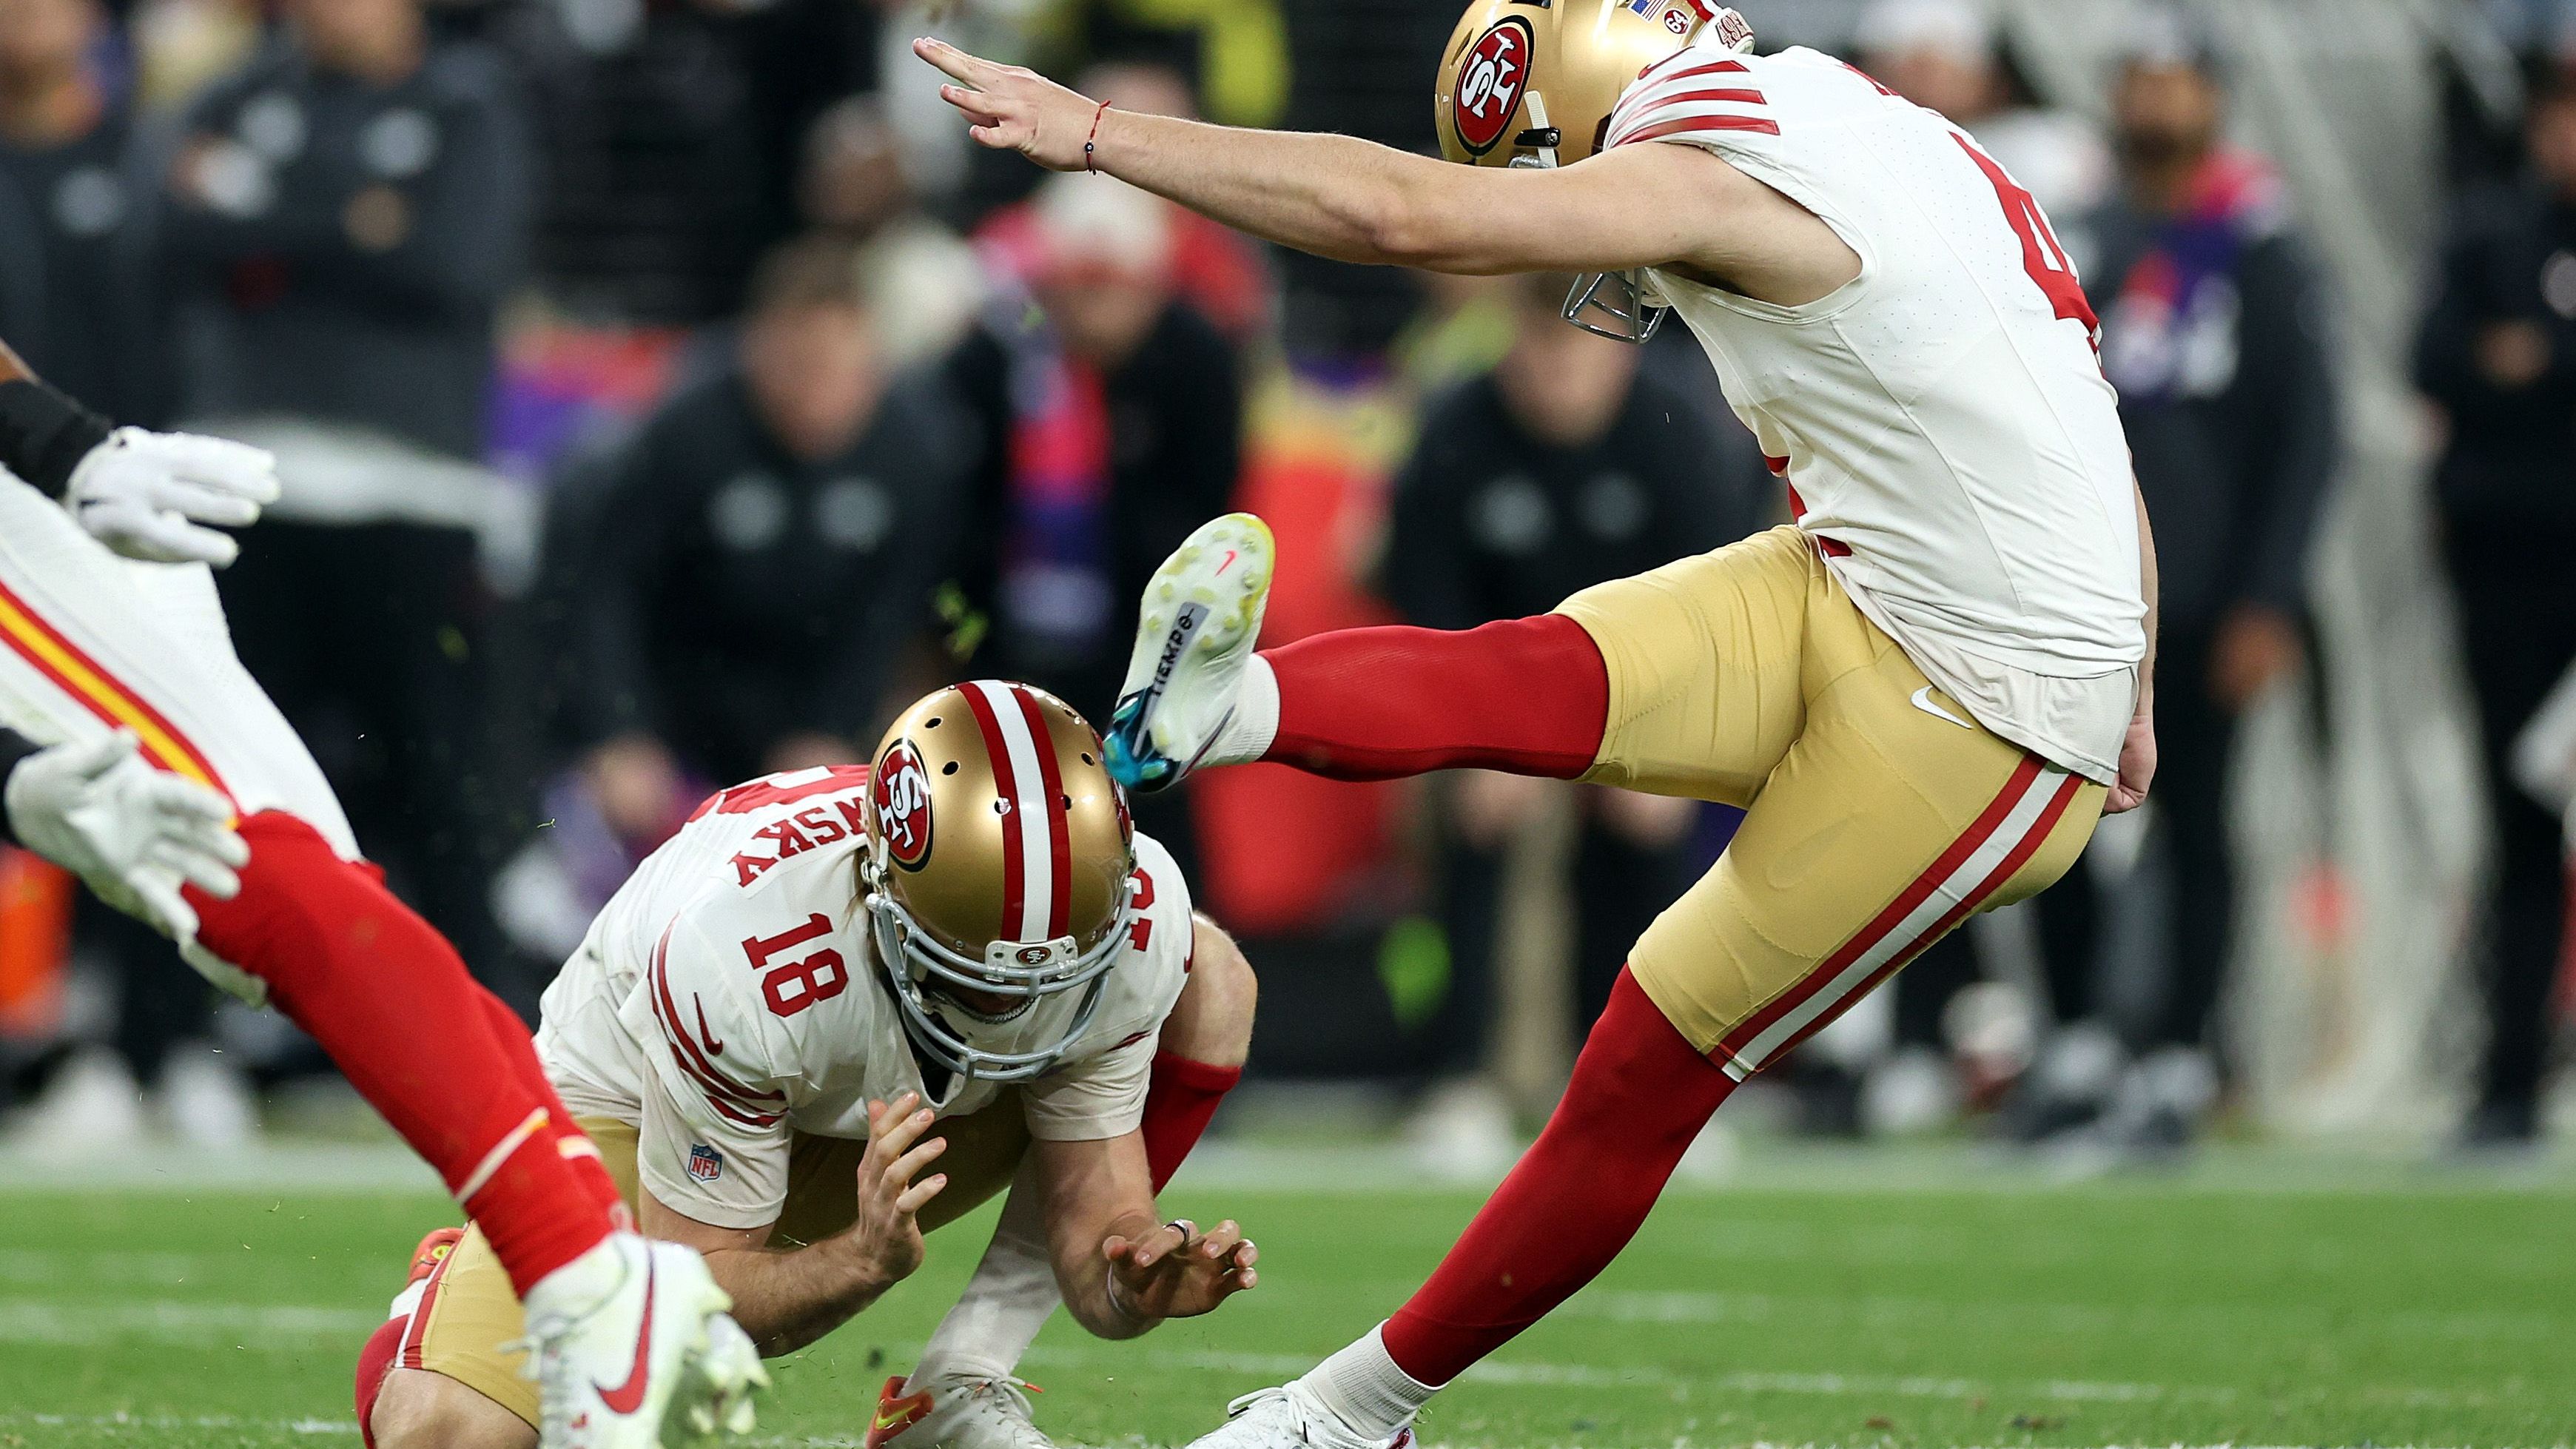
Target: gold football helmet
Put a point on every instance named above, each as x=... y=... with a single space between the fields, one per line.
x=1533 y=83
x=997 y=876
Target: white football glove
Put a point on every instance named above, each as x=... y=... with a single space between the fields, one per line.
x=132 y=832
x=149 y=495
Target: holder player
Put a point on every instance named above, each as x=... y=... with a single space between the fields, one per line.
x=1926 y=691
x=843 y=1007
x=153 y=767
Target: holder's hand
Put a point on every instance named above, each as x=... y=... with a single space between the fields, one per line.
x=1176 y=1271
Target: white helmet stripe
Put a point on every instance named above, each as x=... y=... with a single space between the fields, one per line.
x=1029 y=811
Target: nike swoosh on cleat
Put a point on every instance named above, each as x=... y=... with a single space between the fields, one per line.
x=1923 y=702
x=627 y=1397
x=896 y=1414
x=1230 y=556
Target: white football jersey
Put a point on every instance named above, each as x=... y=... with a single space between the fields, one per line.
x=728 y=995
x=1943 y=423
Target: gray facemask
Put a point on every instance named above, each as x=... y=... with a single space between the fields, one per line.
x=1614 y=305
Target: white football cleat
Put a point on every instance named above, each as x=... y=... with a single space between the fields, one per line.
x=958 y=1411
x=631 y=1348
x=1291 y=1417
x=1194 y=635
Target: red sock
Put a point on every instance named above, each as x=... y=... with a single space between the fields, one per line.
x=570 y=1143
x=376 y=1360
x=392 y=1003
x=1529 y=696
x=1179 y=1100
x=1640 y=1094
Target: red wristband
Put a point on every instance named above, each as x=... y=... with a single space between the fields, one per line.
x=1092 y=138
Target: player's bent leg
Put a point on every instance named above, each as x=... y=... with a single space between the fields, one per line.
x=565 y=1366
x=418 y=1409
x=457 y=1324
x=368 y=979
x=1882 y=830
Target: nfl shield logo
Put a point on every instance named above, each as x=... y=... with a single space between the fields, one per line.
x=705 y=1163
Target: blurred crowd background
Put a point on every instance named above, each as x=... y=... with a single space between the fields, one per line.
x=667 y=391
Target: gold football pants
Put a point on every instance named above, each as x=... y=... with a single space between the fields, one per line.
x=1880 y=815
x=468 y=1311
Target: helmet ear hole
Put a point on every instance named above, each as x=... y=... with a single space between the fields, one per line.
x=949 y=769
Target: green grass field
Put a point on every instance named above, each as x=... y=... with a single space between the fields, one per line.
x=2195 y=1311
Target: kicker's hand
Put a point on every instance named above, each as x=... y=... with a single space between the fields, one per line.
x=2137 y=763
x=134 y=833
x=1013 y=108
x=1176 y=1271
x=885 y=1237
x=152 y=496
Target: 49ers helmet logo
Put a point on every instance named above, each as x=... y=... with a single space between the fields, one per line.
x=1490 y=82
x=900 y=796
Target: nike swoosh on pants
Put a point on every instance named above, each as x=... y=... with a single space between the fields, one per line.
x=1923 y=701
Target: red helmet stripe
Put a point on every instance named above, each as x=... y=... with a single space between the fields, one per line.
x=1058 y=818
x=1006 y=784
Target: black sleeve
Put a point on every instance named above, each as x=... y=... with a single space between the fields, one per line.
x=44 y=434
x=2477 y=287
x=1425 y=574
x=977 y=379
x=898 y=607
x=1218 y=451
x=22 y=265
x=1184 y=377
x=14 y=749
x=2286 y=330
x=1696 y=508
x=2445 y=367
x=622 y=552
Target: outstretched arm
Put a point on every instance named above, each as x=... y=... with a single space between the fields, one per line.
x=1357 y=201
